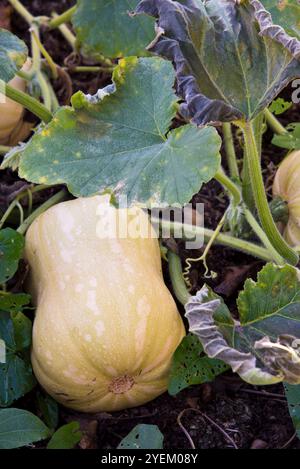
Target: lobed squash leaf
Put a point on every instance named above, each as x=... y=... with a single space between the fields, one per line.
x=143 y=437
x=120 y=141
x=16 y=378
x=263 y=347
x=293 y=398
x=285 y=13
x=11 y=250
x=19 y=428
x=291 y=140
x=96 y=23
x=191 y=366
x=228 y=67
x=66 y=437
x=13 y=55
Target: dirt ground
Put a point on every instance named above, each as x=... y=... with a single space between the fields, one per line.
x=222 y=414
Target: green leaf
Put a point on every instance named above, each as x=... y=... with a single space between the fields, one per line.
x=11 y=250
x=291 y=140
x=285 y=13
x=10 y=302
x=105 y=28
x=264 y=346
x=293 y=398
x=66 y=437
x=48 y=409
x=227 y=69
x=20 y=428
x=16 y=378
x=120 y=143
x=279 y=106
x=143 y=437
x=13 y=55
x=190 y=366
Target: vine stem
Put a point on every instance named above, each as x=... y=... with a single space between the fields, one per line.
x=30 y=103
x=65 y=17
x=226 y=182
x=17 y=5
x=65 y=31
x=274 y=123
x=89 y=69
x=259 y=194
x=230 y=151
x=190 y=231
x=178 y=283
x=59 y=197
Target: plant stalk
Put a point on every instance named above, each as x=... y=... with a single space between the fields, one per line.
x=65 y=17
x=229 y=185
x=59 y=197
x=175 y=269
x=65 y=31
x=30 y=103
x=230 y=151
x=274 y=123
x=259 y=194
x=17 y=5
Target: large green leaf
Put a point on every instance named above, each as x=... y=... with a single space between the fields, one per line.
x=66 y=437
x=11 y=249
x=16 y=378
x=191 y=366
x=13 y=54
x=104 y=27
x=264 y=346
x=143 y=437
x=227 y=69
x=293 y=398
x=122 y=142
x=20 y=428
x=285 y=13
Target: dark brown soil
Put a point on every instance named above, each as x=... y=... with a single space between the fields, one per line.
x=251 y=417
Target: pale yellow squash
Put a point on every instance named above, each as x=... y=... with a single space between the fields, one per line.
x=287 y=186
x=11 y=113
x=106 y=326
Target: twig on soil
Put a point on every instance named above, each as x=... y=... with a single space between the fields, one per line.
x=264 y=393
x=289 y=441
x=211 y=421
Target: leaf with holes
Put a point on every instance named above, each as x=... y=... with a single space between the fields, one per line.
x=191 y=366
x=262 y=347
x=279 y=106
x=96 y=23
x=10 y=302
x=285 y=13
x=293 y=398
x=123 y=143
x=291 y=140
x=143 y=437
x=13 y=54
x=11 y=250
x=20 y=428
x=227 y=69
x=16 y=378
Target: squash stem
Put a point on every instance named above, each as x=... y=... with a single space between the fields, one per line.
x=65 y=17
x=259 y=194
x=59 y=197
x=30 y=103
x=66 y=32
x=274 y=123
x=229 y=185
x=178 y=283
x=230 y=151
x=17 y=5
x=190 y=231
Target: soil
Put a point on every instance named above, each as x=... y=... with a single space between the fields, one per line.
x=221 y=414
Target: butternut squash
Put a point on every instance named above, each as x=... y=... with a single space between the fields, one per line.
x=106 y=325
x=287 y=186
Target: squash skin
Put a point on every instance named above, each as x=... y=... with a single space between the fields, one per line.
x=287 y=186
x=12 y=112
x=106 y=325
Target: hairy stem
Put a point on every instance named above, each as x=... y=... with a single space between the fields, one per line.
x=230 y=151
x=65 y=17
x=259 y=194
x=274 y=123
